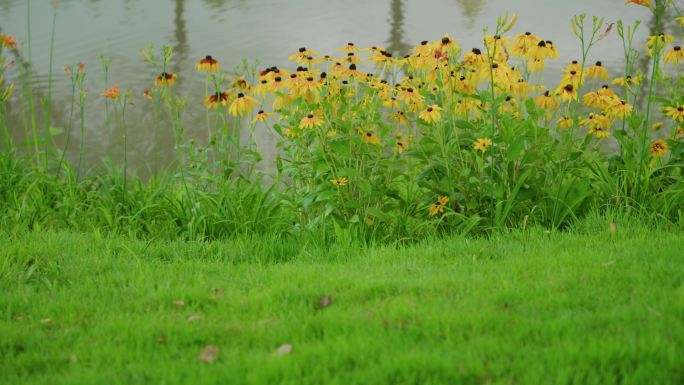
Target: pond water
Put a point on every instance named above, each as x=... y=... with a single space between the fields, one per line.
x=264 y=30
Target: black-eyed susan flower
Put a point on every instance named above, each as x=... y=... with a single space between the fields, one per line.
x=302 y=53
x=242 y=105
x=568 y=93
x=311 y=120
x=546 y=101
x=660 y=41
x=619 y=109
x=261 y=116
x=341 y=181
x=597 y=71
x=222 y=98
x=410 y=95
x=627 y=81
x=165 y=79
x=350 y=47
x=482 y=144
x=370 y=138
x=208 y=64
x=523 y=42
x=573 y=66
x=565 y=122
x=599 y=132
x=432 y=114
x=400 y=117
x=675 y=55
x=680 y=20
x=438 y=207
x=678 y=132
x=659 y=148
x=112 y=93
x=675 y=112
x=391 y=102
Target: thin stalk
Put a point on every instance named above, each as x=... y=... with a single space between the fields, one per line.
x=47 y=104
x=32 y=107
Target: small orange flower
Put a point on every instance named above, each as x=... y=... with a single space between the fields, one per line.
x=8 y=41
x=112 y=93
x=643 y=3
x=371 y=138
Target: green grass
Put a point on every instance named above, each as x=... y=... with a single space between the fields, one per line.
x=587 y=307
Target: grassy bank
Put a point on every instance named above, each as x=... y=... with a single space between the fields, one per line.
x=592 y=307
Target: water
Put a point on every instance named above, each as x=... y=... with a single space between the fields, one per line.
x=264 y=30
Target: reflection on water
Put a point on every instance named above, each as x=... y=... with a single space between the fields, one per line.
x=396 y=44
x=264 y=30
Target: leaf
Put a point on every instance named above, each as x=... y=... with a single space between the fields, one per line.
x=283 y=350
x=194 y=317
x=179 y=303
x=209 y=354
x=54 y=131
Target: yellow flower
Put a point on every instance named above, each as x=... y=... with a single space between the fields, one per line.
x=213 y=101
x=350 y=47
x=680 y=20
x=599 y=132
x=482 y=144
x=409 y=95
x=657 y=126
x=546 y=101
x=112 y=93
x=208 y=64
x=675 y=55
x=432 y=114
x=400 y=117
x=261 y=116
x=627 y=81
x=565 y=122
x=438 y=207
x=597 y=71
x=659 y=148
x=165 y=79
x=678 y=132
x=243 y=104
x=676 y=113
x=310 y=121
x=341 y=181
x=370 y=138
x=568 y=93
x=620 y=109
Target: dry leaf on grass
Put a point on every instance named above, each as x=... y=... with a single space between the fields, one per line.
x=209 y=354
x=179 y=303
x=195 y=317
x=283 y=350
x=324 y=302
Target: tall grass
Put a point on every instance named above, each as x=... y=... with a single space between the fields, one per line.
x=441 y=141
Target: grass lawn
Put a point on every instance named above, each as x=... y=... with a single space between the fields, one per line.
x=589 y=307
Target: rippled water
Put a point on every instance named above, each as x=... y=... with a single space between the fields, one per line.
x=264 y=30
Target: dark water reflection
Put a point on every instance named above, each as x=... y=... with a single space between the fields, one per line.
x=264 y=30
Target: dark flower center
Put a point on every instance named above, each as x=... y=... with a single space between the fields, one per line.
x=310 y=116
x=429 y=109
x=303 y=49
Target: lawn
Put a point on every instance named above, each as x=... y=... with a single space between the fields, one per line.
x=595 y=306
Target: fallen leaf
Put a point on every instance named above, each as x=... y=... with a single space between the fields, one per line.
x=179 y=303
x=324 y=302
x=19 y=316
x=209 y=354
x=613 y=228
x=194 y=317
x=283 y=350
x=46 y=321
x=608 y=263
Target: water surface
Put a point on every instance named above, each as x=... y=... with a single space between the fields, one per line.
x=264 y=30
